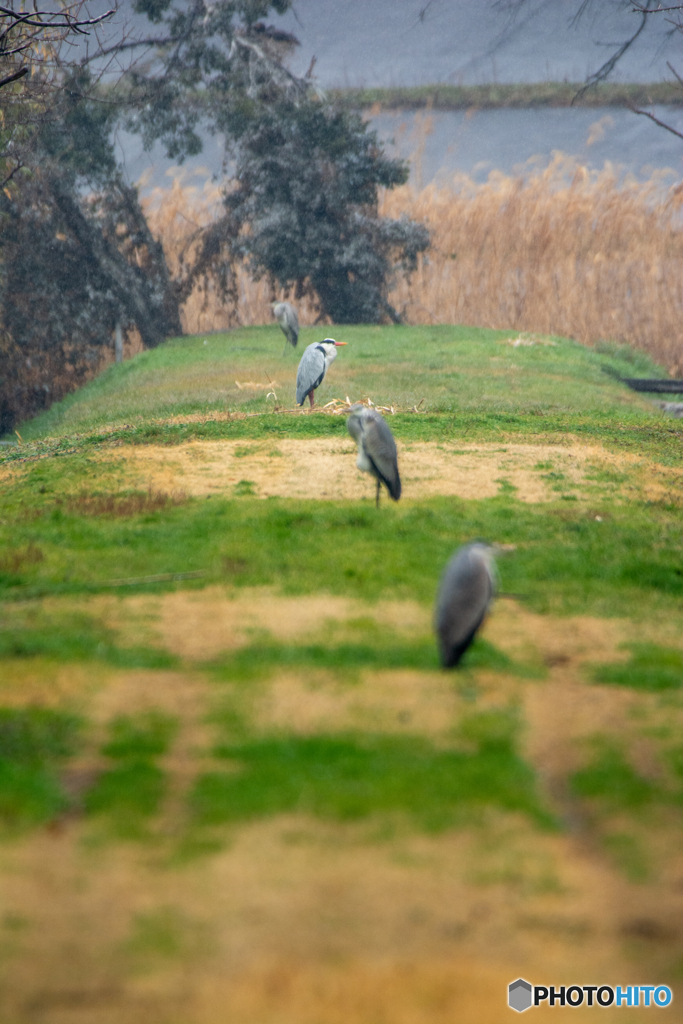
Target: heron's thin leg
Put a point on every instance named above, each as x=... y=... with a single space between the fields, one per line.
x=284 y=351
x=310 y=398
x=377 y=498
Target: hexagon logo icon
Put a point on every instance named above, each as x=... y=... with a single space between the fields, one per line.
x=519 y=995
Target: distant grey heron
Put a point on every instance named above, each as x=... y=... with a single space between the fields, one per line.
x=466 y=590
x=315 y=362
x=376 y=448
x=286 y=316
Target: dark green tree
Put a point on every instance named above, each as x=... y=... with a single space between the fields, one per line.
x=190 y=70
x=77 y=258
x=302 y=207
x=304 y=211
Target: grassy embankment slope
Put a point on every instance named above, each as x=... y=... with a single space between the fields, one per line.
x=262 y=774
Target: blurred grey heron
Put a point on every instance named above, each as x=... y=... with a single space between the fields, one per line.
x=466 y=590
x=286 y=316
x=314 y=364
x=376 y=448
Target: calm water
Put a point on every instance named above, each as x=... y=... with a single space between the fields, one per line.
x=386 y=42
x=445 y=143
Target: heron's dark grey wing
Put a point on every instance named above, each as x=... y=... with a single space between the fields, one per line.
x=380 y=448
x=294 y=325
x=291 y=327
x=451 y=653
x=291 y=335
x=464 y=597
x=310 y=373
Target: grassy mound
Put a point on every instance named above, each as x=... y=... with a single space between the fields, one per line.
x=227 y=711
x=454 y=370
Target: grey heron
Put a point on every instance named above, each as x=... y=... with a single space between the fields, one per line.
x=467 y=587
x=315 y=362
x=286 y=316
x=376 y=448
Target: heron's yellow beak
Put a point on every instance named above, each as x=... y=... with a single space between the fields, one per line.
x=338 y=343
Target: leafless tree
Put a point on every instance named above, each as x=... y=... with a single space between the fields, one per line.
x=644 y=11
x=32 y=59
x=31 y=39
x=677 y=26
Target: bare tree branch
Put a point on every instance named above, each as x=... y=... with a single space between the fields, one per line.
x=11 y=174
x=639 y=9
x=13 y=78
x=602 y=73
x=22 y=31
x=673 y=71
x=662 y=124
x=73 y=24
x=119 y=47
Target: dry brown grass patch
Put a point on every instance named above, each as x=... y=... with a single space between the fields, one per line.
x=323 y=468
x=200 y=624
x=310 y=923
x=123 y=505
x=304 y=921
x=393 y=701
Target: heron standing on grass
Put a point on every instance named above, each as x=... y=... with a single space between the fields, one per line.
x=315 y=362
x=467 y=588
x=286 y=316
x=376 y=448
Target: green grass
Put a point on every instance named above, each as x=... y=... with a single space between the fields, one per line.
x=70 y=637
x=352 y=776
x=450 y=369
x=566 y=561
x=386 y=650
x=131 y=792
x=590 y=550
x=638 y=431
x=629 y=855
x=650 y=667
x=33 y=743
x=147 y=736
x=612 y=779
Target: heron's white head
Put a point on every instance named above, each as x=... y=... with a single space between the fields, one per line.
x=329 y=347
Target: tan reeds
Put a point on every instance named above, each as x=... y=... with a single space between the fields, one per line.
x=175 y=215
x=564 y=251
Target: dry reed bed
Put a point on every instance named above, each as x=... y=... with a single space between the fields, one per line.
x=564 y=251
x=175 y=215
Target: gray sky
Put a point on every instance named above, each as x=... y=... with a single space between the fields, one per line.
x=387 y=42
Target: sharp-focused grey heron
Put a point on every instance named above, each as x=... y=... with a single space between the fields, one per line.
x=466 y=590
x=314 y=364
x=376 y=448
x=286 y=316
